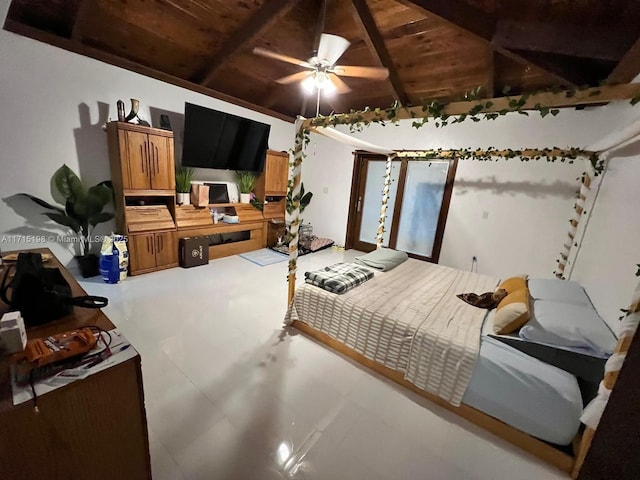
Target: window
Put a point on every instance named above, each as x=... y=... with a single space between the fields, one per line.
x=417 y=207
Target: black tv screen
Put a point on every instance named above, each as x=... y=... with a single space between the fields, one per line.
x=214 y=139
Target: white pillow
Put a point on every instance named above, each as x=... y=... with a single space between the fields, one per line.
x=558 y=290
x=569 y=325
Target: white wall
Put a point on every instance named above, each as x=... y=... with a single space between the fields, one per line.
x=607 y=259
x=53 y=105
x=528 y=204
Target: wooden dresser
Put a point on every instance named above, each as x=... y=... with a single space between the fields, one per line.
x=94 y=428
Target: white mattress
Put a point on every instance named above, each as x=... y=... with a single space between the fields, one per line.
x=524 y=392
x=407 y=319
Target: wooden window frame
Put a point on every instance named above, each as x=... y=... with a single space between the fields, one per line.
x=358 y=176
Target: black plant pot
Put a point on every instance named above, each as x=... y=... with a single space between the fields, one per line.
x=89 y=265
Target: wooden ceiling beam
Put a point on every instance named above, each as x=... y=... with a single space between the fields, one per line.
x=489 y=87
x=91 y=52
x=269 y=13
x=628 y=67
x=82 y=13
x=459 y=13
x=472 y=20
x=565 y=72
x=588 y=96
x=362 y=14
x=601 y=43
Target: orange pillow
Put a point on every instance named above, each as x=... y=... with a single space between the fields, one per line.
x=512 y=312
x=513 y=283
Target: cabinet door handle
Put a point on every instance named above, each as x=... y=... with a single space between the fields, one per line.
x=149 y=160
x=152 y=146
x=157 y=160
x=142 y=157
x=158 y=247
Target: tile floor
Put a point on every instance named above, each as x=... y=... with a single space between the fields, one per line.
x=231 y=395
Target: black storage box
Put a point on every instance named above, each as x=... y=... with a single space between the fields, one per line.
x=194 y=251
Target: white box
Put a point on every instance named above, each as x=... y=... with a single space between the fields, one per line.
x=13 y=336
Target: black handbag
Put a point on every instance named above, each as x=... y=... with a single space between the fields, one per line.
x=42 y=294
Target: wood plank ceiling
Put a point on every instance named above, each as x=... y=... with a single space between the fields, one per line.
x=433 y=49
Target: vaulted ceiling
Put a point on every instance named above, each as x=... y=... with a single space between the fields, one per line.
x=433 y=49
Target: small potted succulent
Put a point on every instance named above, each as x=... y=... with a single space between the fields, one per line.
x=183 y=185
x=246 y=182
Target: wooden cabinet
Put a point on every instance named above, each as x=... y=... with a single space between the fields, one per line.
x=152 y=251
x=142 y=157
x=271 y=185
x=146 y=162
x=273 y=179
x=143 y=176
x=224 y=238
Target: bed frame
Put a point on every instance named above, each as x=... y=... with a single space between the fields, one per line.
x=536 y=447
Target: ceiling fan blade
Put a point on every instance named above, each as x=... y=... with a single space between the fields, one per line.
x=375 y=73
x=296 y=77
x=341 y=87
x=331 y=48
x=283 y=58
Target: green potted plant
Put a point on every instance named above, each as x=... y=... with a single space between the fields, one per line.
x=246 y=182
x=183 y=185
x=83 y=210
x=305 y=200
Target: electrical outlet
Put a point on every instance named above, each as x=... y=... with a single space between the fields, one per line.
x=325 y=190
x=485 y=215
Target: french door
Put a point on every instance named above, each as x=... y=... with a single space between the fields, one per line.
x=417 y=208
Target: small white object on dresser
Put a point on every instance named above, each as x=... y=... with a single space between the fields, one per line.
x=13 y=336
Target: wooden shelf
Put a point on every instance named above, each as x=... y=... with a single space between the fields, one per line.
x=148 y=218
x=142 y=129
x=149 y=193
x=220 y=227
x=245 y=211
x=255 y=241
x=188 y=216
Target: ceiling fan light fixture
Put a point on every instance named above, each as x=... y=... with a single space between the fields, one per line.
x=308 y=84
x=329 y=88
x=319 y=80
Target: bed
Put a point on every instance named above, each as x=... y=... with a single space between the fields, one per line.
x=390 y=321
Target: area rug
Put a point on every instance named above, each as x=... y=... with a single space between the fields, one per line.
x=264 y=257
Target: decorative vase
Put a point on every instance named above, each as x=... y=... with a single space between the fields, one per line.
x=245 y=198
x=183 y=198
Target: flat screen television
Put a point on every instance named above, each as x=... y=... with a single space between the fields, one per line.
x=214 y=139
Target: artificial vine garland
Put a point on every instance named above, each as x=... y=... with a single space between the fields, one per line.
x=437 y=110
x=357 y=120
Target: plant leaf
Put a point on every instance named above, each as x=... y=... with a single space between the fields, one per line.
x=100 y=218
x=102 y=193
x=68 y=183
x=86 y=207
x=42 y=203
x=62 y=219
x=306 y=199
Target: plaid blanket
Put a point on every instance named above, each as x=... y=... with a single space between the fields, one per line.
x=338 y=278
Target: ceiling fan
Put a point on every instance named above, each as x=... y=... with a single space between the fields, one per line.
x=321 y=72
